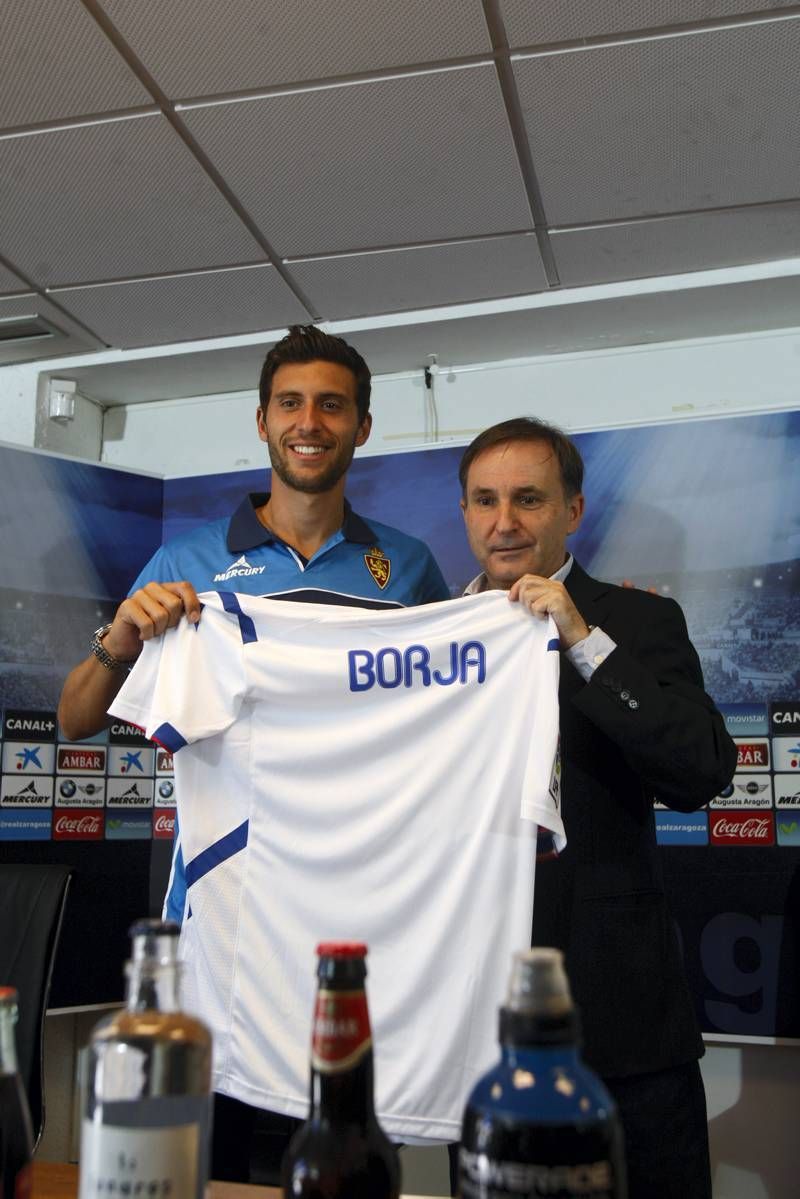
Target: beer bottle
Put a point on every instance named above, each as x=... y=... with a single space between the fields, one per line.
x=540 y=1122
x=16 y=1136
x=146 y=1114
x=341 y=1150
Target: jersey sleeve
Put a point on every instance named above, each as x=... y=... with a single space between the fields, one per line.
x=159 y=569
x=189 y=683
x=432 y=586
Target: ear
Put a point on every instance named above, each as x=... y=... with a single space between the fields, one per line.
x=575 y=507
x=364 y=429
x=462 y=503
x=261 y=422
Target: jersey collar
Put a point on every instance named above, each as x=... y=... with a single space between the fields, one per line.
x=246 y=531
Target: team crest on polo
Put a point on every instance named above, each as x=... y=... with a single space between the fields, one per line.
x=379 y=566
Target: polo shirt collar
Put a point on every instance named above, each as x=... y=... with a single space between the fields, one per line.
x=246 y=531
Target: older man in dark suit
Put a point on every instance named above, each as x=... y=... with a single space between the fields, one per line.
x=636 y=726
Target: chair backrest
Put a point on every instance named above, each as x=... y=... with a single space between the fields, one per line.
x=32 y=900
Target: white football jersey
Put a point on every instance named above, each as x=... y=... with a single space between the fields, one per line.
x=345 y=774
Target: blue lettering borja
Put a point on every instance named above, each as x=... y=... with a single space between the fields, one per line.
x=410 y=667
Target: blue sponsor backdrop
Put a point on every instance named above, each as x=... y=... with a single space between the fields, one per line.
x=708 y=512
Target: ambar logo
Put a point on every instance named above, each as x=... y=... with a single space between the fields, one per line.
x=82 y=759
x=752 y=754
x=742 y=828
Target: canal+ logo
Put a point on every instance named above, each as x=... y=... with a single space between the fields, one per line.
x=784 y=718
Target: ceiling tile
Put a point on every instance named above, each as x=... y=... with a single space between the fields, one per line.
x=9 y=282
x=55 y=62
x=112 y=200
x=161 y=311
x=554 y=21
x=703 y=121
x=669 y=247
x=202 y=47
x=60 y=334
x=425 y=277
x=423 y=158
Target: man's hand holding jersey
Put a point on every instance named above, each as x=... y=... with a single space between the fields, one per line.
x=545 y=597
x=148 y=613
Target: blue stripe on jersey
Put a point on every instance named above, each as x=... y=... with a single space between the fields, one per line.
x=216 y=854
x=168 y=736
x=246 y=627
x=554 y=643
x=175 y=900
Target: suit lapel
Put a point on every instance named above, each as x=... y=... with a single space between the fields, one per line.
x=590 y=595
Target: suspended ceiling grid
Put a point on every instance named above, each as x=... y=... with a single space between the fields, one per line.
x=187 y=170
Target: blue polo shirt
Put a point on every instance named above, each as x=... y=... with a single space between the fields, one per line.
x=363 y=565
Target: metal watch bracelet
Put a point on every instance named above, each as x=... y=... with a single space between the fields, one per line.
x=101 y=653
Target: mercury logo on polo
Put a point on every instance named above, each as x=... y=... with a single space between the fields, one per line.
x=241 y=568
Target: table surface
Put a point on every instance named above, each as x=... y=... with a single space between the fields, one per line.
x=59 y=1180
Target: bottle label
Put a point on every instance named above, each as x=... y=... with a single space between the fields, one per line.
x=484 y=1177
x=341 y=1034
x=139 y=1163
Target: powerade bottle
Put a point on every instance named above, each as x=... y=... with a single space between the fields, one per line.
x=540 y=1123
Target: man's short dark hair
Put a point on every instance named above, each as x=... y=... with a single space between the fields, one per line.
x=528 y=428
x=307 y=343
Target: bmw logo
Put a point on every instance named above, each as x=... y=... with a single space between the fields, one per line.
x=165 y=789
x=726 y=792
x=67 y=789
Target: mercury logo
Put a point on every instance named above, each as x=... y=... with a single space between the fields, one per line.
x=241 y=568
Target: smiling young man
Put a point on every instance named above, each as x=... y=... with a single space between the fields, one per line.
x=635 y=726
x=303 y=542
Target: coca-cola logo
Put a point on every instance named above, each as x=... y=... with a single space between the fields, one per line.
x=163 y=824
x=743 y=828
x=77 y=825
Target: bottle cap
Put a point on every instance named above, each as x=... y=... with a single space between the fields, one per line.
x=154 y=939
x=9 y=996
x=539 y=1008
x=538 y=983
x=341 y=949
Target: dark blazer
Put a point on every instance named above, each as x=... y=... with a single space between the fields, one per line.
x=641 y=729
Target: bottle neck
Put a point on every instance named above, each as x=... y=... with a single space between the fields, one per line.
x=8 y=1044
x=514 y=1052
x=152 y=986
x=341 y=1058
x=345 y=1097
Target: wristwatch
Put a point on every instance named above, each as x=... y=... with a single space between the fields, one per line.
x=101 y=653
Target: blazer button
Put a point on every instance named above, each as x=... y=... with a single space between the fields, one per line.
x=633 y=703
x=624 y=694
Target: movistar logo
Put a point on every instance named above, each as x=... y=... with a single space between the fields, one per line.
x=241 y=568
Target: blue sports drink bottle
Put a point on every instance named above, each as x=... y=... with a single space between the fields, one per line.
x=540 y=1123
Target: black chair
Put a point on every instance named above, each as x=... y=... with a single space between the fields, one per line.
x=32 y=900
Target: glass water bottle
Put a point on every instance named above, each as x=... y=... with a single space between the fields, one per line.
x=147 y=1105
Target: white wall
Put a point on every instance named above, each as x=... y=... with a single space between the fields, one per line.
x=636 y=385
x=17 y=405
